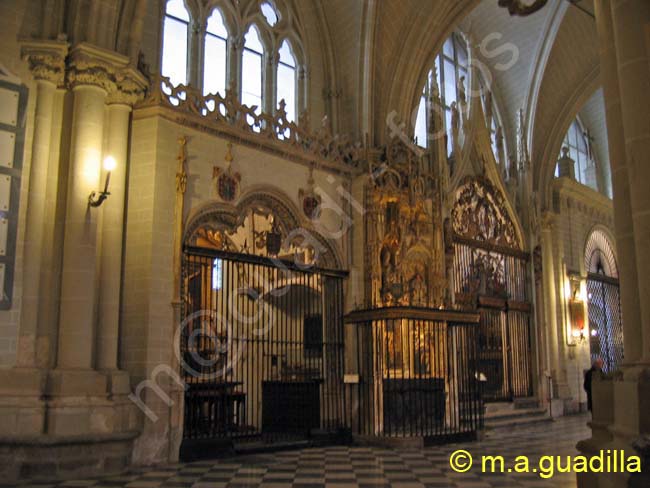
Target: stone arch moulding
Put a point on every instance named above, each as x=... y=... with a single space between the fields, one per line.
x=410 y=71
x=226 y=216
x=480 y=212
x=544 y=169
x=600 y=239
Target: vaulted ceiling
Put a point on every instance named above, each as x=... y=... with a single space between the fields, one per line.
x=383 y=49
x=369 y=58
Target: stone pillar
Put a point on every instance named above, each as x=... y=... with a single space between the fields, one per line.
x=625 y=245
x=235 y=48
x=110 y=277
x=77 y=309
x=269 y=95
x=624 y=32
x=47 y=65
x=551 y=303
x=631 y=21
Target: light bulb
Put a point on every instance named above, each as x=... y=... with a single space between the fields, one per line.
x=109 y=163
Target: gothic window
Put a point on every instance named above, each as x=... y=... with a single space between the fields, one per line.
x=494 y=126
x=175 y=42
x=580 y=151
x=421 y=121
x=286 y=80
x=215 y=54
x=208 y=61
x=451 y=64
x=252 y=69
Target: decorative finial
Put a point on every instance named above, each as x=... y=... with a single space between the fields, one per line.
x=228 y=157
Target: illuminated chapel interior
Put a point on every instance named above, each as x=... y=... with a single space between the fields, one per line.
x=229 y=225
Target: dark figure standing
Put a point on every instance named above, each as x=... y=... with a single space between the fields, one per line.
x=596 y=367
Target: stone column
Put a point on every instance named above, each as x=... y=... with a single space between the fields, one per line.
x=625 y=245
x=235 y=48
x=110 y=277
x=270 y=83
x=47 y=65
x=631 y=21
x=550 y=295
x=78 y=281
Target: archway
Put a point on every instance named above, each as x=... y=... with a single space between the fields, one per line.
x=490 y=273
x=603 y=302
x=262 y=342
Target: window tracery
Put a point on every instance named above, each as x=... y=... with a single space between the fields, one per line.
x=253 y=48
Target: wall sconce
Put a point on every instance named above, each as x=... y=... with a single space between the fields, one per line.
x=96 y=199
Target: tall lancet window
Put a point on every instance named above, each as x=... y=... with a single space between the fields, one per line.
x=215 y=54
x=580 y=151
x=421 y=122
x=175 y=39
x=252 y=69
x=451 y=65
x=287 y=80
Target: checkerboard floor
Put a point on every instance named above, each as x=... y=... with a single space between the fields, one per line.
x=364 y=467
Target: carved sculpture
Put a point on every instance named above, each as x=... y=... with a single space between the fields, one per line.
x=227 y=110
x=403 y=268
x=480 y=214
x=226 y=181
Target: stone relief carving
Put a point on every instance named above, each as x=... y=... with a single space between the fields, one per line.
x=226 y=182
x=310 y=201
x=403 y=269
x=315 y=144
x=480 y=214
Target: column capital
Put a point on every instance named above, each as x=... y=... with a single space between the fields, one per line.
x=91 y=65
x=46 y=60
x=130 y=87
x=548 y=221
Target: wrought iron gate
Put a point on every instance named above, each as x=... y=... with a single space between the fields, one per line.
x=605 y=324
x=261 y=348
x=494 y=279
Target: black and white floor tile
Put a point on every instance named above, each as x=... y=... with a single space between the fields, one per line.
x=363 y=467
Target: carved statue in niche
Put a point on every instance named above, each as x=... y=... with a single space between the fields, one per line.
x=405 y=265
x=418 y=295
x=391 y=282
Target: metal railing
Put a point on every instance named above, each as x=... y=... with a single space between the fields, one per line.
x=261 y=348
x=416 y=373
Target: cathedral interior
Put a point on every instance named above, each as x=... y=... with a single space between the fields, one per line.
x=232 y=226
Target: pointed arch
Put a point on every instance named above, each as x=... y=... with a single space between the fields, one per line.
x=600 y=253
x=480 y=213
x=216 y=216
x=252 y=79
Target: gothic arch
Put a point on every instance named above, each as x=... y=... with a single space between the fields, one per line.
x=600 y=253
x=222 y=216
x=480 y=213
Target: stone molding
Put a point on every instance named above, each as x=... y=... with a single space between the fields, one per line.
x=46 y=60
x=90 y=65
x=85 y=65
x=318 y=145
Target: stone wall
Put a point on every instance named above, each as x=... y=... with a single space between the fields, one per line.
x=147 y=346
x=578 y=210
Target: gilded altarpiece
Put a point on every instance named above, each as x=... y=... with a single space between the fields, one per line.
x=405 y=273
